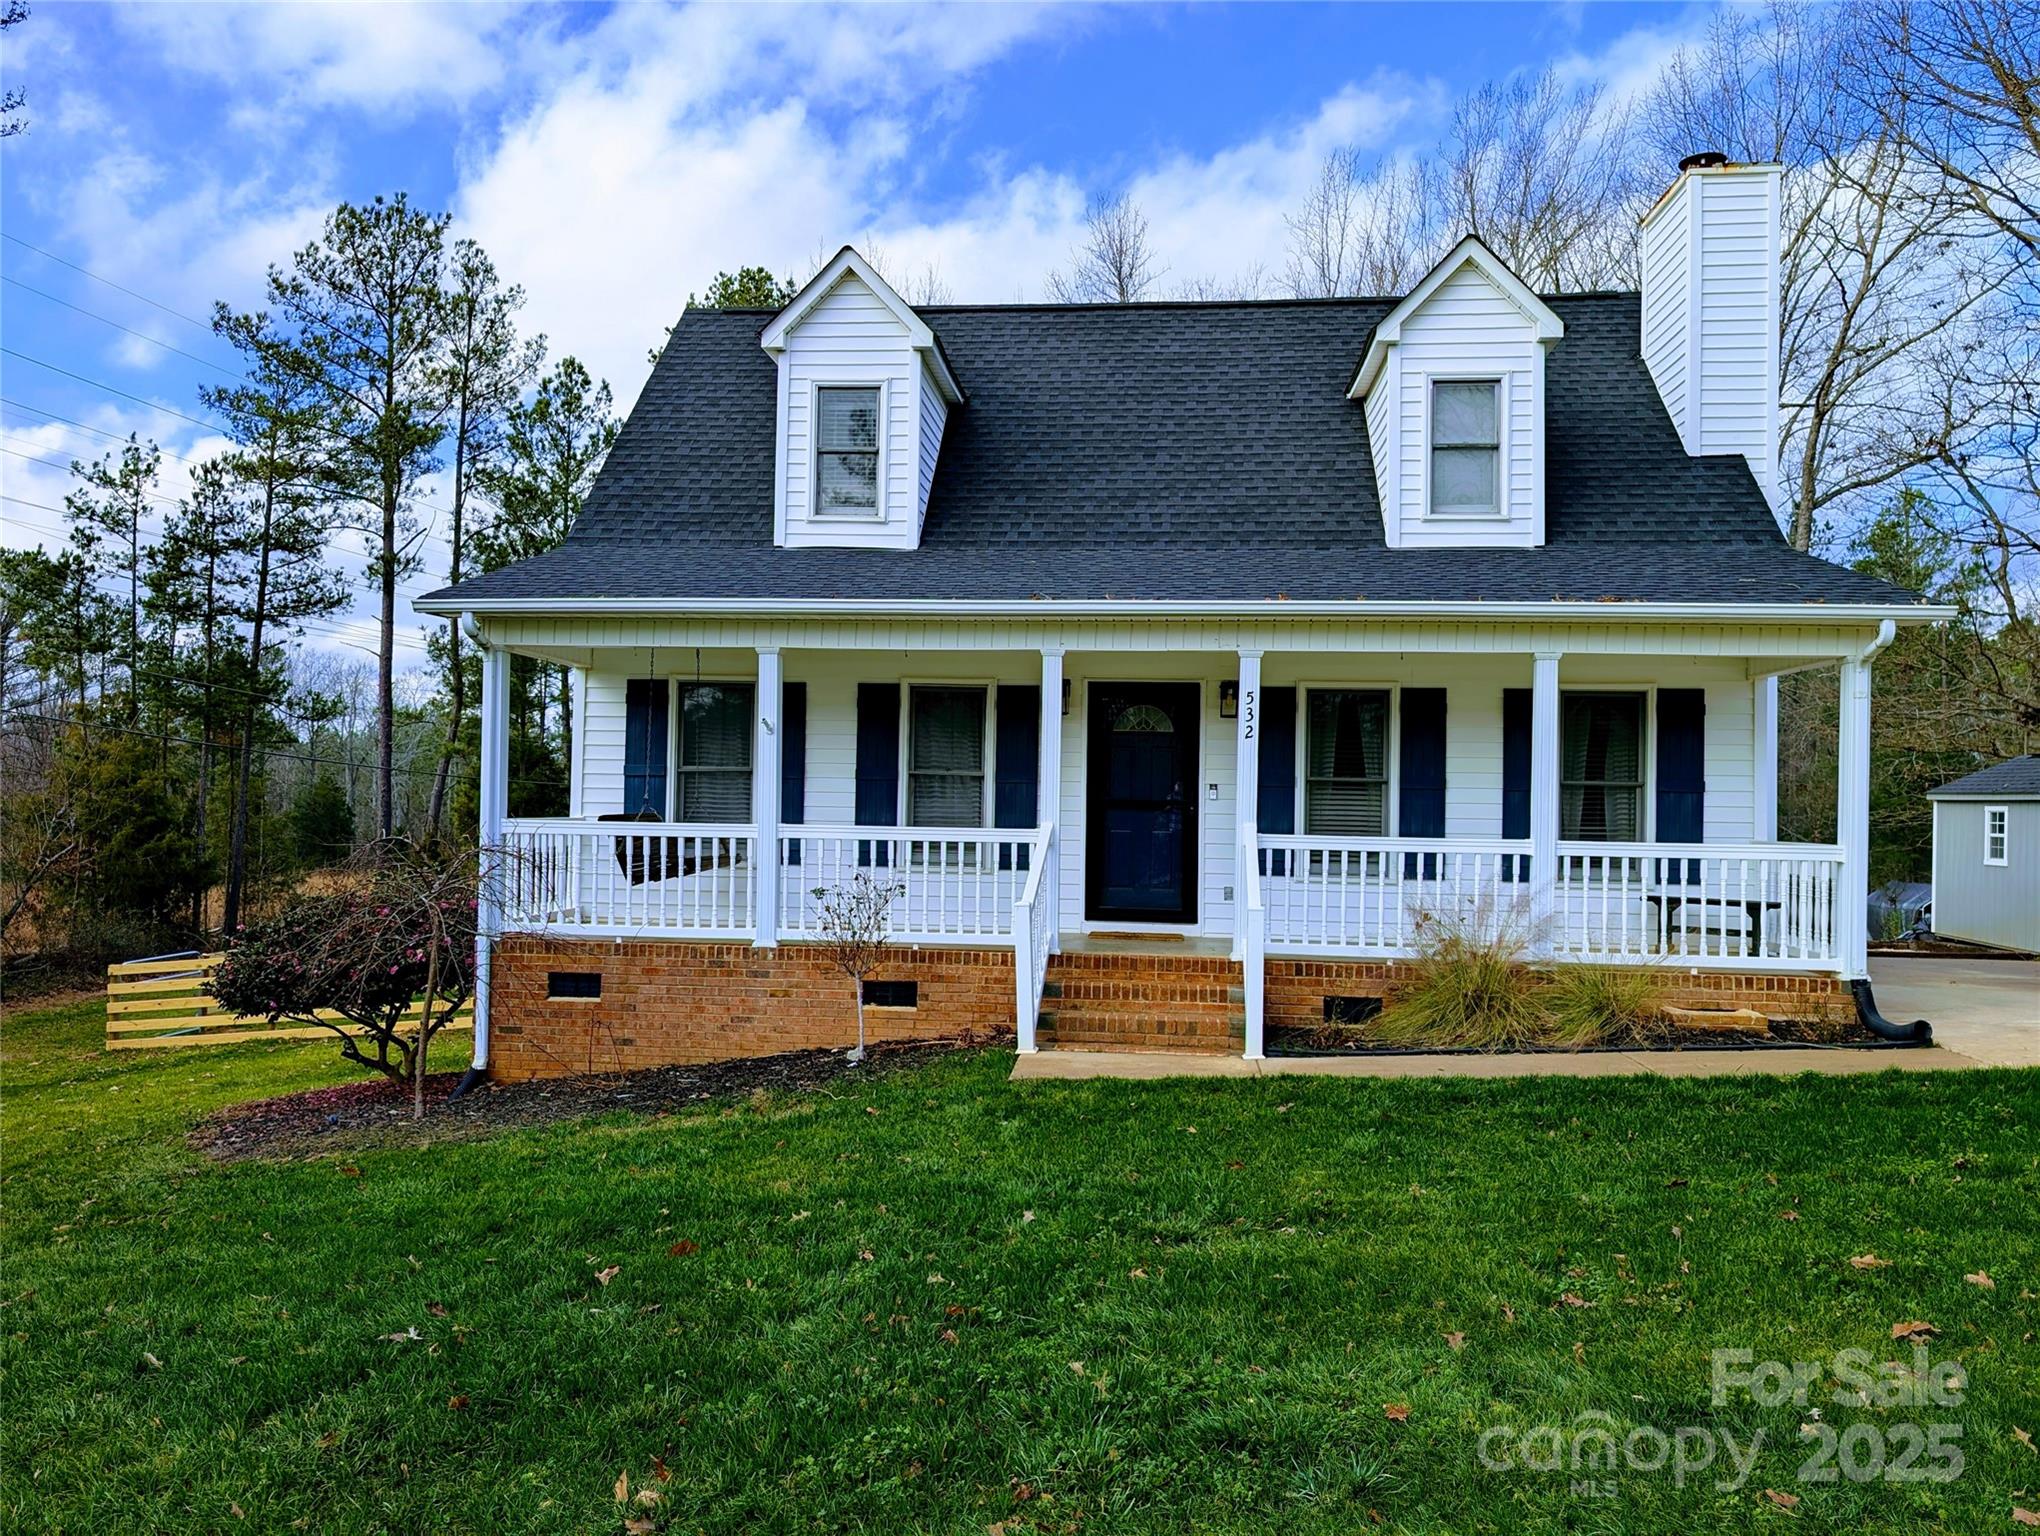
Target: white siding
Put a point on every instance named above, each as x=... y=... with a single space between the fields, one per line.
x=934 y=414
x=1467 y=329
x=1710 y=312
x=1474 y=685
x=851 y=338
x=1988 y=903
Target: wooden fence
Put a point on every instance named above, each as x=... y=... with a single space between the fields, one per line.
x=168 y=1002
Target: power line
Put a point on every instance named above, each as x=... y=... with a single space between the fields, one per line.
x=210 y=426
x=114 y=437
x=130 y=330
x=109 y=282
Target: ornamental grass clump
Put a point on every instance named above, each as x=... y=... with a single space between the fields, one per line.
x=1593 y=1004
x=1468 y=984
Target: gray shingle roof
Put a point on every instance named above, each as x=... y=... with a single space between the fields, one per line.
x=2015 y=777
x=1170 y=451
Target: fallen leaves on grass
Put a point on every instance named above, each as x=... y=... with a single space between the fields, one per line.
x=1571 y=1300
x=150 y=1362
x=623 y=1485
x=2024 y=1516
x=1456 y=1340
x=1982 y=1280
x=408 y=1336
x=604 y=1276
x=458 y=1402
x=1782 y=1500
x=1397 y=1412
x=1788 y=1215
x=685 y=1248
x=1914 y=1330
x=2025 y=1438
x=1136 y=1274
x=1869 y=1261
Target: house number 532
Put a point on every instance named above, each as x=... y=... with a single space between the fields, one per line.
x=1248 y=717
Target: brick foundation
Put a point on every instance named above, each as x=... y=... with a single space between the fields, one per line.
x=1143 y=1002
x=666 y=1002
x=1296 y=989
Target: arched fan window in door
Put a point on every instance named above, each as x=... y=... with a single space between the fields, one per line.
x=1144 y=720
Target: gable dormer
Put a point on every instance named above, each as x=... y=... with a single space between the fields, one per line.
x=864 y=393
x=1453 y=381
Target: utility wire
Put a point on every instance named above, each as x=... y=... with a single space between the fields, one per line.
x=210 y=426
x=16 y=282
x=109 y=282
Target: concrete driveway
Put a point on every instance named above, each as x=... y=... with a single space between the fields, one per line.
x=1988 y=1010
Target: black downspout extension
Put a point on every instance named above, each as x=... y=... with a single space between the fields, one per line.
x=1919 y=1032
x=475 y=1075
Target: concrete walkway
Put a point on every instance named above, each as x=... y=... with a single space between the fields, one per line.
x=1988 y=1009
x=1985 y=1013
x=1146 y=1065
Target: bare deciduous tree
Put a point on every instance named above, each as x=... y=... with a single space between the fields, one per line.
x=1115 y=264
x=852 y=919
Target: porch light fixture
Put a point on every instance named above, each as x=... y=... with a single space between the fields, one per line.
x=1228 y=701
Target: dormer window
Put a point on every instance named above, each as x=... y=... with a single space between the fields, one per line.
x=846 y=451
x=1466 y=448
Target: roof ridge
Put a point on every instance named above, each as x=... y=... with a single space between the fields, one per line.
x=1044 y=306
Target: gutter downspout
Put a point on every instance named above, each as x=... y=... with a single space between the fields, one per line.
x=1919 y=1031
x=485 y=908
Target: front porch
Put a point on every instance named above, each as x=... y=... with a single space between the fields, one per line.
x=1301 y=811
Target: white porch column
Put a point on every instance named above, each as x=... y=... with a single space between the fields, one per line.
x=493 y=772
x=765 y=800
x=1852 y=817
x=1048 y=789
x=1248 y=946
x=1766 y=767
x=1246 y=787
x=1543 y=796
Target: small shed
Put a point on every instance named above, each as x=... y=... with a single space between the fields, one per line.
x=1987 y=855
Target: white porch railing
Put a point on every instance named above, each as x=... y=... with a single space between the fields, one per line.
x=1768 y=904
x=1764 y=906
x=1034 y=934
x=625 y=878
x=957 y=884
x=1365 y=895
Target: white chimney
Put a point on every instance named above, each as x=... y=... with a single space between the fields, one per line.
x=1710 y=309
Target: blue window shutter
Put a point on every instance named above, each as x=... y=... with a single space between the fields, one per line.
x=1275 y=811
x=1422 y=762
x=1016 y=762
x=1516 y=775
x=792 y=760
x=878 y=761
x=1682 y=770
x=645 y=705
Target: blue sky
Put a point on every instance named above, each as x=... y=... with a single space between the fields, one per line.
x=612 y=159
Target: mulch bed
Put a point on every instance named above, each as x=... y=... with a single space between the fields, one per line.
x=377 y=1113
x=1353 y=1040
x=1939 y=948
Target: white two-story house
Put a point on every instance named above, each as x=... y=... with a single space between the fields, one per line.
x=1174 y=661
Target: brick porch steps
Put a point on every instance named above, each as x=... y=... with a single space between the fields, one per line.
x=1143 y=1001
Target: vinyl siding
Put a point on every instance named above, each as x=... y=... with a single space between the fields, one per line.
x=1667 y=270
x=1988 y=903
x=851 y=338
x=1469 y=329
x=934 y=415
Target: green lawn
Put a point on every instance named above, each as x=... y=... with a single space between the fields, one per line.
x=944 y=1302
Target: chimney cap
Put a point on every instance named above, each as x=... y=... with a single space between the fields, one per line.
x=1704 y=160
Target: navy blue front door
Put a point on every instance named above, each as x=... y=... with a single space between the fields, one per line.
x=1141 y=849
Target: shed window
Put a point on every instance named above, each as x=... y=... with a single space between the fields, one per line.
x=1997 y=834
x=1345 y=790
x=715 y=752
x=846 y=451
x=1601 y=767
x=1466 y=449
x=946 y=757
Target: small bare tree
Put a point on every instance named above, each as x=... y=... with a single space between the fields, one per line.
x=1115 y=264
x=852 y=919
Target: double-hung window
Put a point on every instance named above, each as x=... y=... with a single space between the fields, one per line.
x=1466 y=448
x=1601 y=782
x=715 y=752
x=846 y=451
x=1345 y=791
x=945 y=757
x=1997 y=834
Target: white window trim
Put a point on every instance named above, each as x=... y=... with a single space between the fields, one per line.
x=1502 y=381
x=1391 y=808
x=673 y=687
x=2003 y=813
x=988 y=799
x=815 y=510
